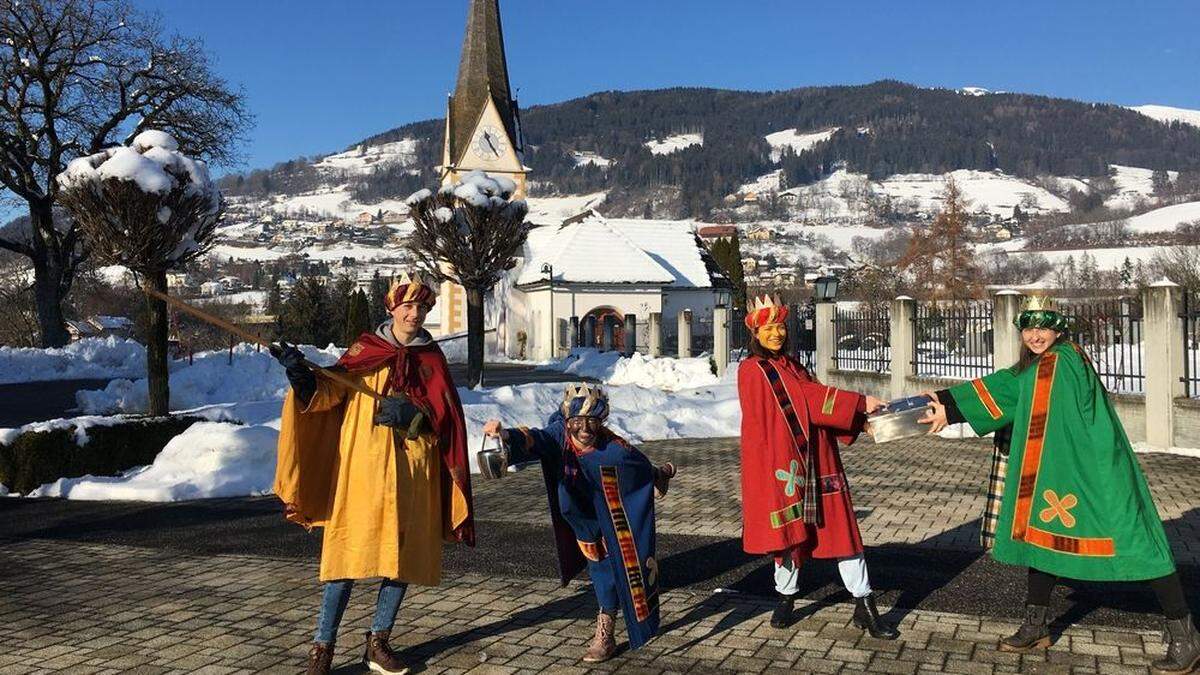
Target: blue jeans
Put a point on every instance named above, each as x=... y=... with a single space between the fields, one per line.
x=335 y=597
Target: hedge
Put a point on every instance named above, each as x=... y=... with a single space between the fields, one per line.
x=38 y=457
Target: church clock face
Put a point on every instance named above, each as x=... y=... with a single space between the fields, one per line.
x=490 y=143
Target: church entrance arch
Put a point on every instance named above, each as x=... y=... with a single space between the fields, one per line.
x=607 y=315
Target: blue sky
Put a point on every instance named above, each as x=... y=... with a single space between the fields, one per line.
x=321 y=75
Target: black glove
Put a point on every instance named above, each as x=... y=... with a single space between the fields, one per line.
x=300 y=376
x=396 y=412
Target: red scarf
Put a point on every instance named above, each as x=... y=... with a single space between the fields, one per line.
x=421 y=373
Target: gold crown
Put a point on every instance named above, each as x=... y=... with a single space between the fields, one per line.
x=1039 y=303
x=583 y=390
x=764 y=302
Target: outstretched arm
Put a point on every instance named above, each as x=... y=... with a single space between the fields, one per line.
x=528 y=444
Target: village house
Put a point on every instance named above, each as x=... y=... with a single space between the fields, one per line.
x=607 y=268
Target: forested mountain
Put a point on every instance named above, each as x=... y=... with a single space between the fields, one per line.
x=883 y=128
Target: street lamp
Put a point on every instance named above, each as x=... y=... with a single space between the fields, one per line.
x=548 y=270
x=825 y=288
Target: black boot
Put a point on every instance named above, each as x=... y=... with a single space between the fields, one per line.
x=1033 y=634
x=866 y=617
x=1183 y=650
x=782 y=616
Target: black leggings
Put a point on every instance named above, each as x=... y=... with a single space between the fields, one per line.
x=1168 y=590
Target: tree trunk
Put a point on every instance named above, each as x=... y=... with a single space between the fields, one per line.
x=474 y=337
x=156 y=347
x=49 y=270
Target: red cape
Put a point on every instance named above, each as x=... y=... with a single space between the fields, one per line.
x=422 y=373
x=773 y=466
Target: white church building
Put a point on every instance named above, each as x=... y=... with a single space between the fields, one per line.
x=590 y=265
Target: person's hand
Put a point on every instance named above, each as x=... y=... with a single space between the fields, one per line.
x=291 y=358
x=873 y=404
x=935 y=417
x=931 y=395
x=396 y=411
x=868 y=429
x=494 y=429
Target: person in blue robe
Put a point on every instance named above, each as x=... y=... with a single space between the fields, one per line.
x=601 y=491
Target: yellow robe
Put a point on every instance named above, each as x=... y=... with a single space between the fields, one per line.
x=385 y=518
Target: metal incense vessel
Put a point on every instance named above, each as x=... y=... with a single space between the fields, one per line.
x=899 y=419
x=493 y=462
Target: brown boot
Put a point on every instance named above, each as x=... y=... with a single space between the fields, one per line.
x=1183 y=648
x=603 y=645
x=662 y=479
x=1033 y=634
x=380 y=658
x=320 y=659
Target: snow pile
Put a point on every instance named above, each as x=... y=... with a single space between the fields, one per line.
x=663 y=373
x=89 y=358
x=675 y=143
x=798 y=142
x=254 y=376
x=210 y=459
x=480 y=190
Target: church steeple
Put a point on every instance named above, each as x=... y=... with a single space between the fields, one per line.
x=483 y=128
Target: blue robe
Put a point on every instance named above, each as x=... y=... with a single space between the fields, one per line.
x=602 y=509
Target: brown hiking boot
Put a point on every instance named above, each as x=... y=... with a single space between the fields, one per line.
x=662 y=479
x=320 y=659
x=380 y=658
x=1033 y=634
x=1183 y=648
x=603 y=645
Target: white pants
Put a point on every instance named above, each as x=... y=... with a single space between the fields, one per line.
x=853 y=571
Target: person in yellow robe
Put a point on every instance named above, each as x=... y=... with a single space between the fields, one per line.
x=382 y=467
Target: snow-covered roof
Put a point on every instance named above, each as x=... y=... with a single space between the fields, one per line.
x=595 y=249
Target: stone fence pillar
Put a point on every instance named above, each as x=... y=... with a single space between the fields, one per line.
x=1161 y=304
x=630 y=334
x=1006 y=337
x=826 y=354
x=903 y=345
x=685 y=333
x=655 y=346
x=721 y=338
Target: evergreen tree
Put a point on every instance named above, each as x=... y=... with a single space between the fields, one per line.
x=1161 y=181
x=274 y=296
x=358 y=317
x=379 y=289
x=727 y=252
x=1126 y=273
x=305 y=317
x=339 y=306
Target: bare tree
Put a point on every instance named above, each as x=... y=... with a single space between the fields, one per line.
x=469 y=233
x=940 y=258
x=77 y=76
x=149 y=208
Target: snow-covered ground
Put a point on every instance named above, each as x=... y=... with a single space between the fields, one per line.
x=234 y=453
x=1134 y=185
x=585 y=157
x=368 y=158
x=89 y=358
x=1166 y=113
x=674 y=143
x=797 y=141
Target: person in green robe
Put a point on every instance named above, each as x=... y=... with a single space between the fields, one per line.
x=1075 y=503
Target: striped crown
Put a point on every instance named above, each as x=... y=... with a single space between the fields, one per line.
x=1039 y=303
x=584 y=400
x=410 y=287
x=764 y=310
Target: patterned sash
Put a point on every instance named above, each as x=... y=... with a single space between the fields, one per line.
x=808 y=454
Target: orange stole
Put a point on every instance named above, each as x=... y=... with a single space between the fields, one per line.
x=1022 y=530
x=985 y=397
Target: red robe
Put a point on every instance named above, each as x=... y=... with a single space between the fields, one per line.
x=773 y=462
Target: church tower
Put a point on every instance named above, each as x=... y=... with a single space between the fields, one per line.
x=483 y=124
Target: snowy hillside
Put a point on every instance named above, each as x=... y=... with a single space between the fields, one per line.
x=672 y=144
x=798 y=142
x=368 y=158
x=1165 y=113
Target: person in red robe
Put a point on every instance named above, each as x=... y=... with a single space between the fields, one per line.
x=795 y=497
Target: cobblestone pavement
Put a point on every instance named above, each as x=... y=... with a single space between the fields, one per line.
x=107 y=609
x=78 y=607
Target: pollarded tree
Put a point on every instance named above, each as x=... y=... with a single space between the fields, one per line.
x=469 y=233
x=150 y=208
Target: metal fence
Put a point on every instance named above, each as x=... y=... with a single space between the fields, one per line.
x=1110 y=333
x=1191 y=344
x=863 y=338
x=953 y=339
